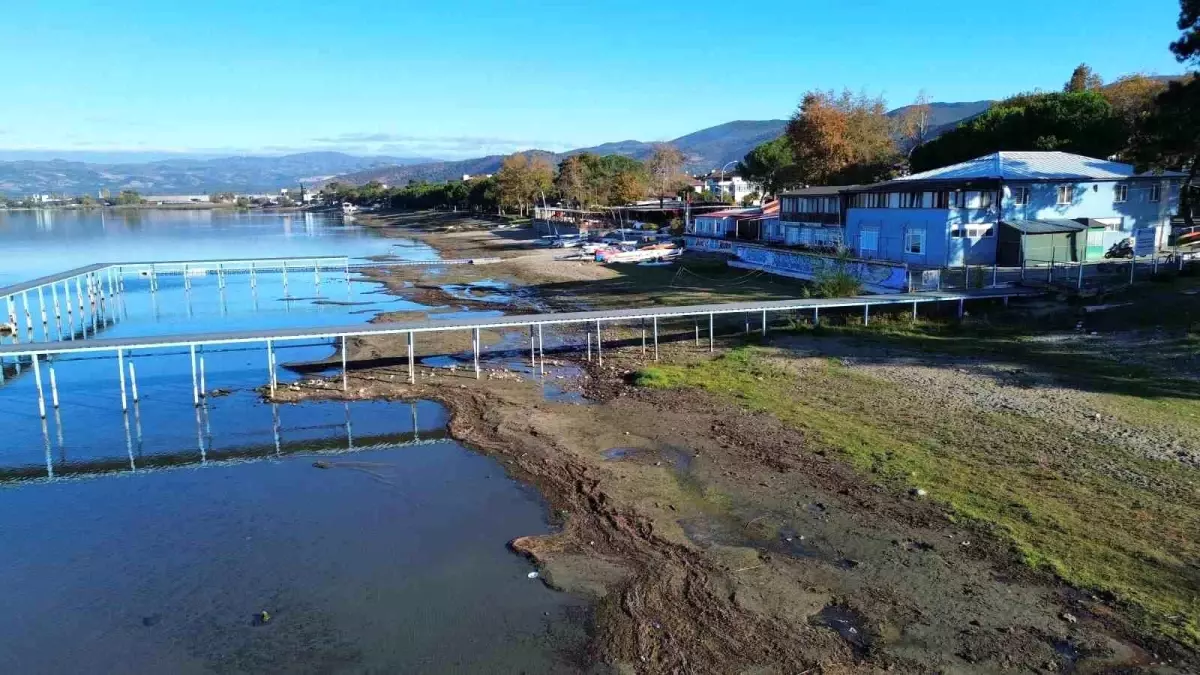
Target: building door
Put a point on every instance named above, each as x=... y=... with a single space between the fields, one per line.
x=868 y=243
x=1095 y=244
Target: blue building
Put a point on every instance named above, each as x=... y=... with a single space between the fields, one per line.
x=1008 y=208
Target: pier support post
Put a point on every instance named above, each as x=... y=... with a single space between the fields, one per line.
x=285 y=283
x=345 y=372
x=643 y=337
x=270 y=366
x=747 y=324
x=475 y=346
x=37 y=378
x=599 y=344
x=121 y=372
x=866 y=314
x=541 y=350
x=28 y=318
x=1079 y=281
x=53 y=387
x=195 y=379
x=589 y=345
x=914 y=316
x=57 y=311
x=960 y=308
x=42 y=310
x=656 y=338
x=816 y=316
x=532 y=350
x=697 y=332
x=203 y=384
x=70 y=312
x=764 y=323
x=133 y=381
x=412 y=372
x=253 y=278
x=712 y=339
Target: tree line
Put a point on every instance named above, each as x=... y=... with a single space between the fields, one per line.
x=847 y=138
x=583 y=181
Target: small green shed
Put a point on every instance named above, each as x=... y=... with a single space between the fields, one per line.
x=1042 y=241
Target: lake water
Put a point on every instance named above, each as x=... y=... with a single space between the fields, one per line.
x=150 y=541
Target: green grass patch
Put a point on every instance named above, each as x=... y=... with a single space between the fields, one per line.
x=1099 y=517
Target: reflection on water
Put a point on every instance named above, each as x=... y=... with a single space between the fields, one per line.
x=153 y=540
x=388 y=559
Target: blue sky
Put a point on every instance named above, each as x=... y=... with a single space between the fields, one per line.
x=459 y=79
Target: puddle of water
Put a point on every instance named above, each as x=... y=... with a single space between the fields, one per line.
x=486 y=290
x=847 y=622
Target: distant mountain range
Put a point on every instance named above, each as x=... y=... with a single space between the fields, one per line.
x=185 y=176
x=704 y=150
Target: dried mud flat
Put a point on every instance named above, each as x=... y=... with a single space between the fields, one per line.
x=717 y=540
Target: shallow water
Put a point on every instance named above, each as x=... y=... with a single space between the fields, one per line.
x=148 y=541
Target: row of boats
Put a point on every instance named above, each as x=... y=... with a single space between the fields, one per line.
x=617 y=248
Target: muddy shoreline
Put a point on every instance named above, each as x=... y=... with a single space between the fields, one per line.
x=713 y=539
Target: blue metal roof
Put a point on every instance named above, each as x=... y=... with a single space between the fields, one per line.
x=1016 y=166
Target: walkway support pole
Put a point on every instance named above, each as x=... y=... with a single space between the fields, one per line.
x=711 y=337
x=121 y=371
x=475 y=346
x=412 y=371
x=345 y=373
x=764 y=323
x=53 y=387
x=643 y=337
x=599 y=344
x=195 y=379
x=541 y=350
x=656 y=338
x=133 y=380
x=866 y=314
x=203 y=383
x=37 y=378
x=914 y=310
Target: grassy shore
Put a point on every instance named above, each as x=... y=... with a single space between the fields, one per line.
x=1076 y=486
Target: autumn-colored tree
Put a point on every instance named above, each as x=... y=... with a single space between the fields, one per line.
x=627 y=187
x=665 y=167
x=1083 y=78
x=841 y=139
x=522 y=179
x=1132 y=97
x=914 y=124
x=574 y=182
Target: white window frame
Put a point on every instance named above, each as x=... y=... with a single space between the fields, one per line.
x=1020 y=196
x=1069 y=191
x=1155 y=193
x=919 y=233
x=1120 y=193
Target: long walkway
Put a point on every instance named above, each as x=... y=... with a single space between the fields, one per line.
x=749 y=308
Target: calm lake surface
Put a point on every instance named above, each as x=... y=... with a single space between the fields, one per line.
x=149 y=542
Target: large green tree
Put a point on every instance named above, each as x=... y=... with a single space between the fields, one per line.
x=771 y=164
x=1080 y=122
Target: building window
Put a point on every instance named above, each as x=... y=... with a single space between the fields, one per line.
x=1020 y=196
x=1155 y=192
x=1066 y=194
x=1120 y=193
x=910 y=200
x=949 y=199
x=914 y=242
